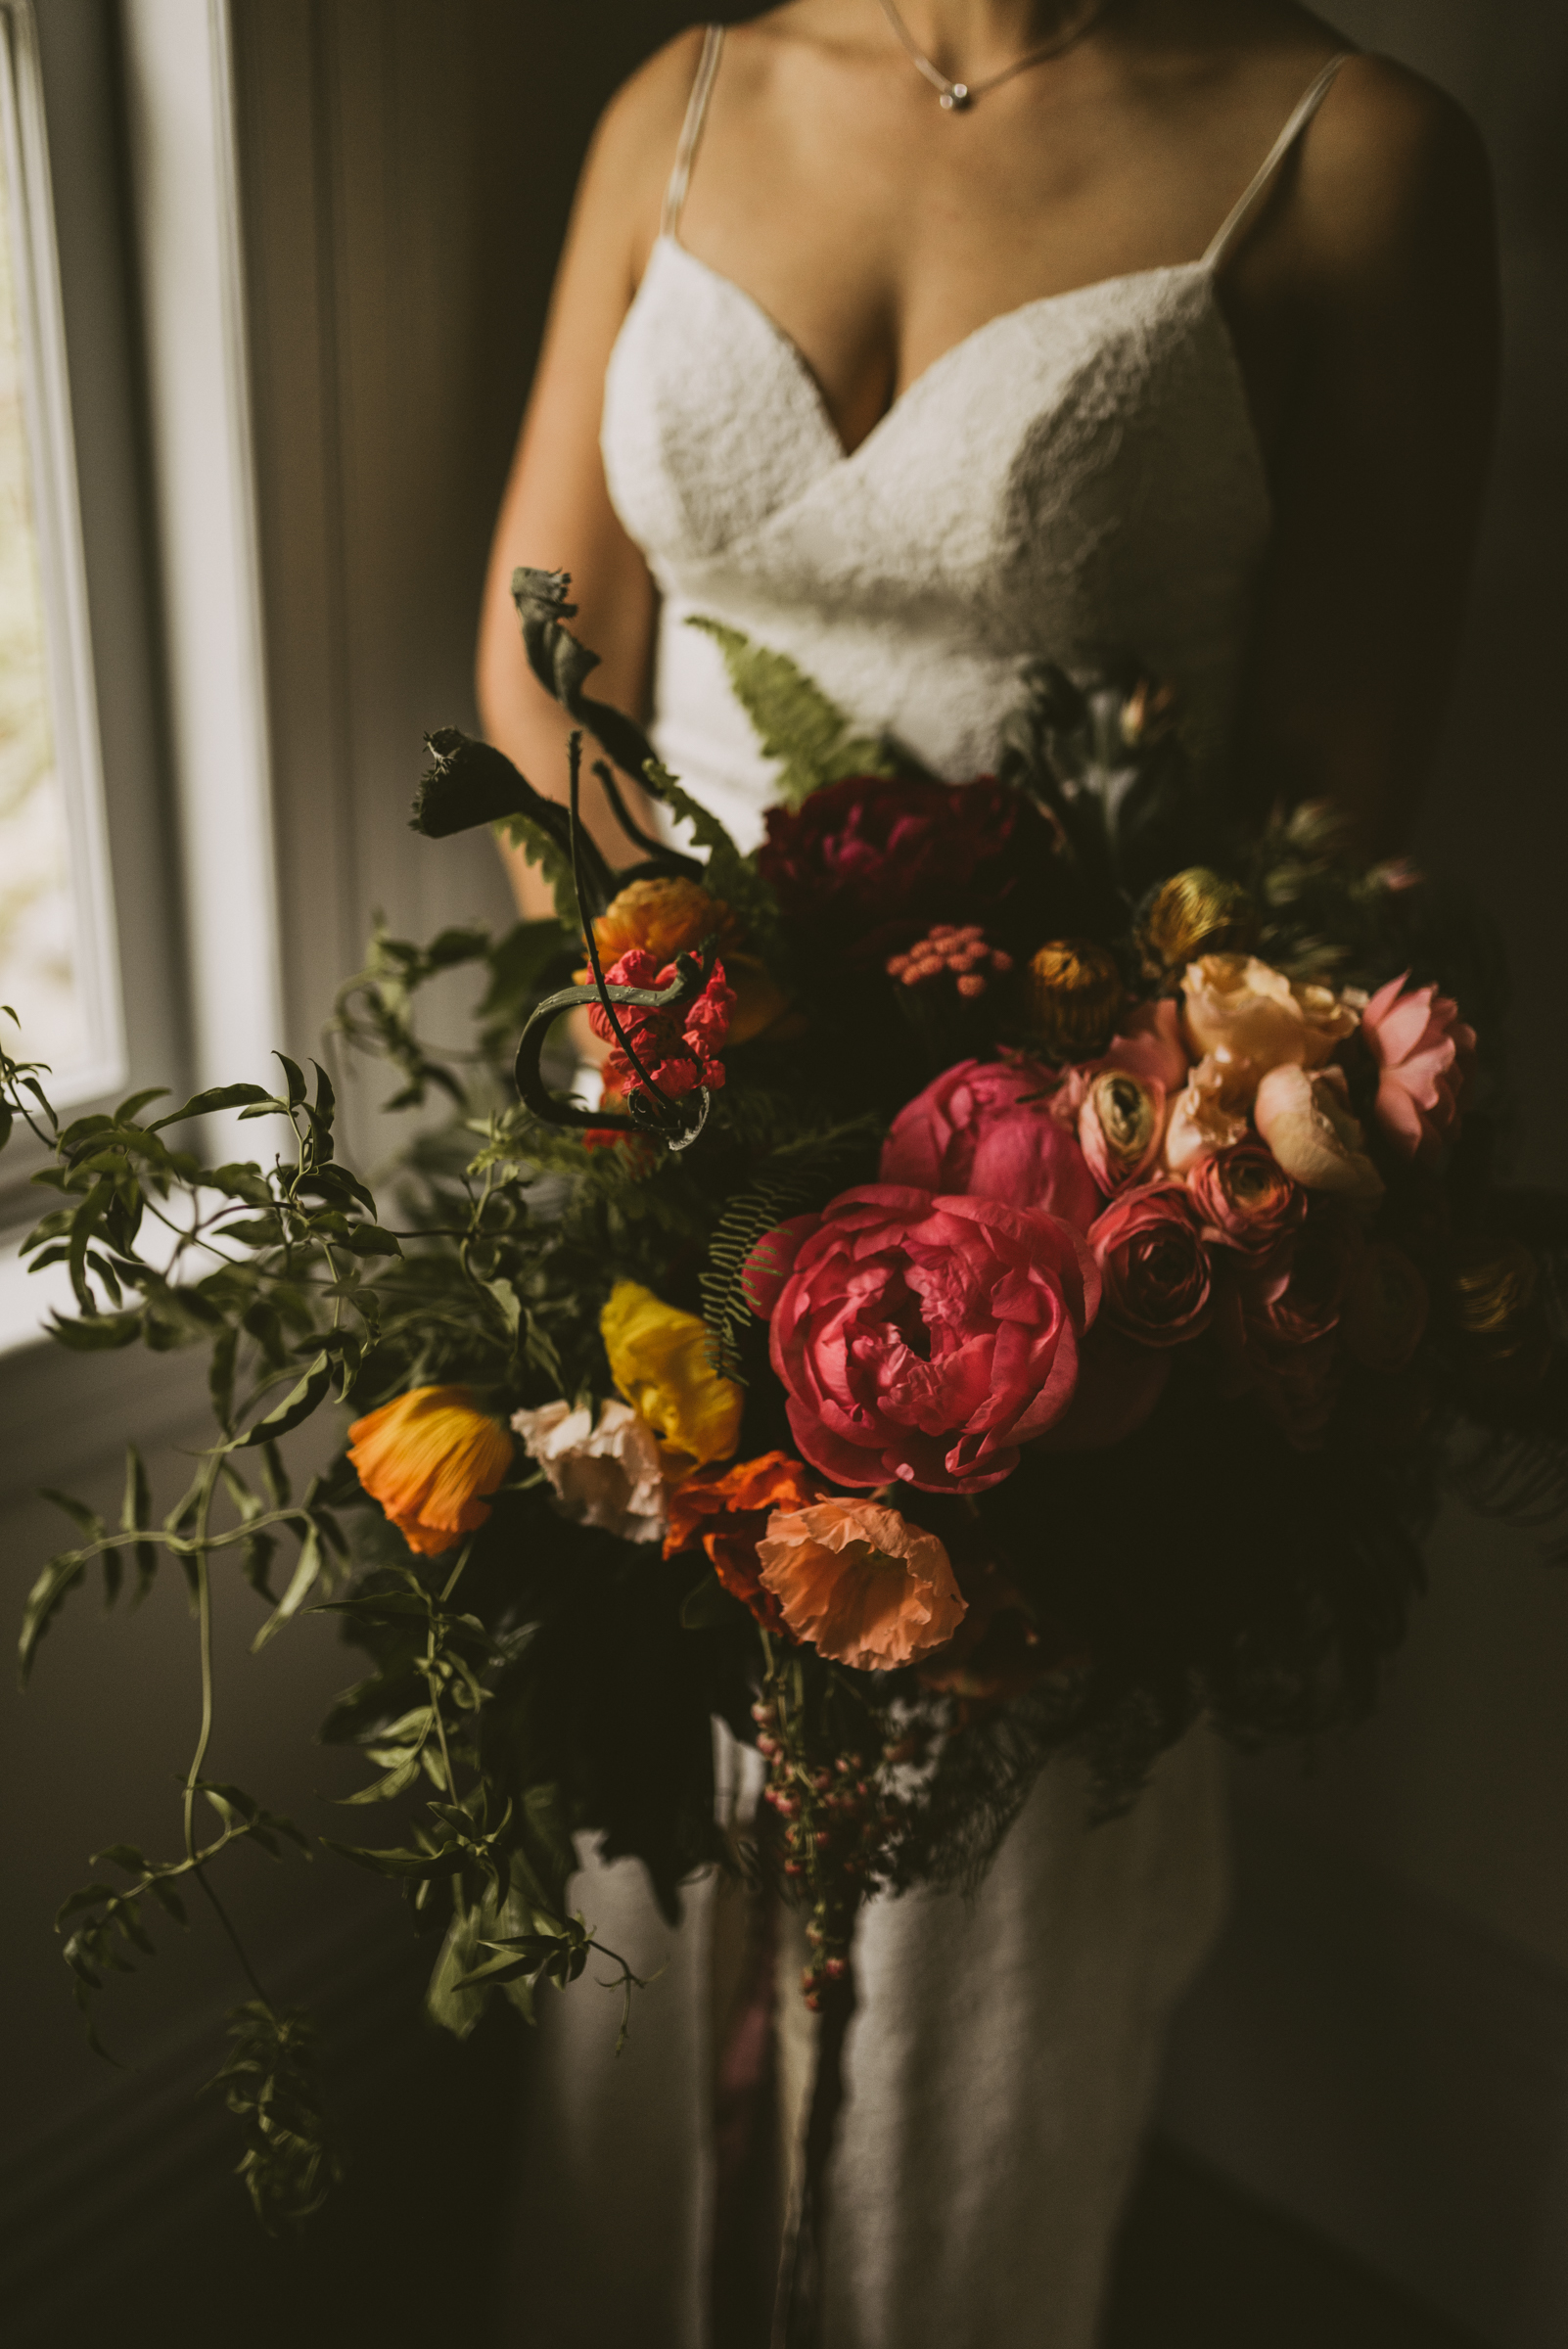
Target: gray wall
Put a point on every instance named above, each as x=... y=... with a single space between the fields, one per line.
x=1383 y=2043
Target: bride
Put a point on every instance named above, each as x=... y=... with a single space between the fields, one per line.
x=917 y=340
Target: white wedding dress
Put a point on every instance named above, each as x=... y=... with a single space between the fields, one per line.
x=1076 y=477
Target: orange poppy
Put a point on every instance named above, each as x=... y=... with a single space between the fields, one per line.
x=428 y=1457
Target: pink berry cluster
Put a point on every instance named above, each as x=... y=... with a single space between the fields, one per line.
x=835 y=1823
x=947 y=947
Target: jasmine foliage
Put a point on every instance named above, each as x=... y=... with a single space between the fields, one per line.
x=794 y=722
x=268 y=2083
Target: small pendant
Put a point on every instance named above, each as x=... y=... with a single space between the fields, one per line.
x=955 y=99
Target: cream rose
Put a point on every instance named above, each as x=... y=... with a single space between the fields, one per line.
x=1305 y=1118
x=1200 y=1123
x=608 y=1474
x=1253 y=1018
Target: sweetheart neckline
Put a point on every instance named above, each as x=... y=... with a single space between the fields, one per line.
x=806 y=374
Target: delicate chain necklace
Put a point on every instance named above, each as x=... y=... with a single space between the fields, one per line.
x=955 y=96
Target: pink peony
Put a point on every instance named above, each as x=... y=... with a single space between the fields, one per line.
x=926 y=1338
x=1423 y=1052
x=1155 y=1265
x=984 y=1128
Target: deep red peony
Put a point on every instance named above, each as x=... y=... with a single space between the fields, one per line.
x=926 y=1338
x=872 y=860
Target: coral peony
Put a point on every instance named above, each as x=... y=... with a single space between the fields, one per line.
x=861 y=1583
x=429 y=1457
x=677 y=1049
x=868 y=862
x=1155 y=1265
x=1245 y=1200
x=1260 y=1020
x=1199 y=1122
x=1423 y=1052
x=728 y=1515
x=1307 y=1120
x=927 y=1338
x=606 y=1473
x=658 y=1358
x=985 y=1128
x=1119 y=1126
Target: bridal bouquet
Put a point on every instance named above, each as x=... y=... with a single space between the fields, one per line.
x=1021 y=1289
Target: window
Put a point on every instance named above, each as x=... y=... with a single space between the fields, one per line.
x=57 y=937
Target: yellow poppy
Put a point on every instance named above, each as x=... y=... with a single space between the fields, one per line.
x=659 y=1359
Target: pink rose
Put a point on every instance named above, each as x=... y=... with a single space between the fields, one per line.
x=926 y=1338
x=1200 y=1123
x=1155 y=1265
x=1423 y=1052
x=1307 y=1120
x=1119 y=1125
x=1245 y=1199
x=985 y=1128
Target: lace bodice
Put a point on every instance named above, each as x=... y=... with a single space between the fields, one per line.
x=1078 y=479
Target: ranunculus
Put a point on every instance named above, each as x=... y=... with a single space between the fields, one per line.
x=861 y=1583
x=1119 y=1127
x=1155 y=1265
x=1245 y=1199
x=1199 y=1122
x=1386 y=1307
x=606 y=1473
x=926 y=1338
x=1307 y=1120
x=1423 y=1052
x=985 y=1128
x=1237 y=1005
x=667 y=915
x=1278 y=1320
x=868 y=862
x=429 y=1457
x=728 y=1515
x=658 y=1358
x=679 y=1050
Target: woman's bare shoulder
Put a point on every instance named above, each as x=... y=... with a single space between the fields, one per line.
x=1395 y=172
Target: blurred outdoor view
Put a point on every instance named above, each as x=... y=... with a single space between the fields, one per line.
x=40 y=973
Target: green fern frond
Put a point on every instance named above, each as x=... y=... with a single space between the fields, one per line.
x=794 y=719
x=801 y=1175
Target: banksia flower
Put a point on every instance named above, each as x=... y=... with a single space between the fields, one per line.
x=1192 y=914
x=429 y=1457
x=1074 y=992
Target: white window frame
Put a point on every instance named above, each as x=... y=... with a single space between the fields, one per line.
x=57 y=518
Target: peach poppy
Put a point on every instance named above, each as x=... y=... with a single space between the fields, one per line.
x=429 y=1457
x=861 y=1583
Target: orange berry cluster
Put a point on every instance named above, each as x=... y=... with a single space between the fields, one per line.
x=962 y=951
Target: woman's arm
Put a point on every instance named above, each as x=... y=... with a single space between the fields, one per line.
x=1382 y=460
x=556 y=514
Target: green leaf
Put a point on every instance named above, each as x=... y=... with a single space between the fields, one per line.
x=710 y=1608
x=91 y=1524
x=293 y=1075
x=393 y=1861
x=295 y=1409
x=220 y=1378
x=48 y=1594
x=306 y=1576
x=794 y=719
x=136 y=1517
x=131 y=1108
x=216 y=1097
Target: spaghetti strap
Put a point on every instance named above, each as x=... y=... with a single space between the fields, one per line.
x=691 y=130
x=1242 y=211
